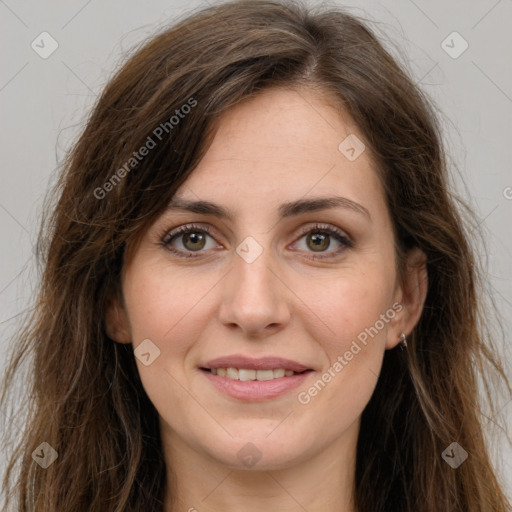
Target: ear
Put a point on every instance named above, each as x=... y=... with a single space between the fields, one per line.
x=411 y=295
x=116 y=322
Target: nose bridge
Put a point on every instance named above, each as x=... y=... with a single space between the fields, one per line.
x=254 y=298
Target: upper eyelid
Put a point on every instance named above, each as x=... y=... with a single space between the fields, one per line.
x=323 y=226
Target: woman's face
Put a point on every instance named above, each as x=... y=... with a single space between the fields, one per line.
x=275 y=278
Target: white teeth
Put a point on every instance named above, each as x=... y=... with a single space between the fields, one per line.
x=232 y=373
x=247 y=374
x=244 y=374
x=265 y=374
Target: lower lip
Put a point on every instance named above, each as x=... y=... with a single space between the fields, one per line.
x=256 y=390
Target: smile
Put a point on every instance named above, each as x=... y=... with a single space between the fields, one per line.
x=258 y=385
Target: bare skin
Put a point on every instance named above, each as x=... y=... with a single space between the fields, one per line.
x=279 y=147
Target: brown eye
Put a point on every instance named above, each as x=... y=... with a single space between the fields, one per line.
x=189 y=241
x=318 y=241
x=323 y=242
x=194 y=240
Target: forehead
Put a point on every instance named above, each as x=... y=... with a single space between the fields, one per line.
x=281 y=145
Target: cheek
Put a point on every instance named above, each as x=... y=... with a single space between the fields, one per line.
x=352 y=336
x=163 y=305
x=348 y=304
x=166 y=308
x=352 y=333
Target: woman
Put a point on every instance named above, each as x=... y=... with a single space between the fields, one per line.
x=259 y=291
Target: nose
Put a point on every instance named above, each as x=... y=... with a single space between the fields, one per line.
x=254 y=298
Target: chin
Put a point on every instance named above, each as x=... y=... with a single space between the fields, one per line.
x=258 y=453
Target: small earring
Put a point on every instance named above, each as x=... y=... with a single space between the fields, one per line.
x=403 y=341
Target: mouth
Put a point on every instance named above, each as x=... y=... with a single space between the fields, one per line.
x=255 y=380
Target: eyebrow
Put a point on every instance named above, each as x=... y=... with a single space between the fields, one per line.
x=288 y=209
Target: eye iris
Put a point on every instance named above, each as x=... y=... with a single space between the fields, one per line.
x=194 y=238
x=319 y=240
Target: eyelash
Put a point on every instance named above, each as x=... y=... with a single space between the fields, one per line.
x=168 y=236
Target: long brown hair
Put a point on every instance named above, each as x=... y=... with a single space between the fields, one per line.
x=84 y=396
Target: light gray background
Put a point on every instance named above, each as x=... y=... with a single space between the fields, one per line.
x=44 y=102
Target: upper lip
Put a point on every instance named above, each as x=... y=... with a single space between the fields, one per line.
x=261 y=363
